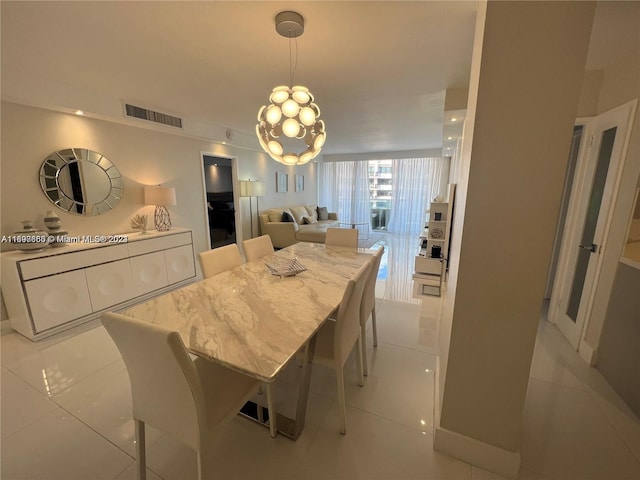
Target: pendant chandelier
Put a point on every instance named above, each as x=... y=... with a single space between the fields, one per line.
x=290 y=122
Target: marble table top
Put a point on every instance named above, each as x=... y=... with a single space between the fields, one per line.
x=250 y=320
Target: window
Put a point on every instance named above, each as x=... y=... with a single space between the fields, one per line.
x=391 y=194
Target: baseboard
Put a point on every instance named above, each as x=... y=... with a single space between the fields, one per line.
x=588 y=354
x=483 y=455
x=5 y=327
x=436 y=394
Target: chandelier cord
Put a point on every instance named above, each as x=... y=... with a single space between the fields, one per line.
x=292 y=70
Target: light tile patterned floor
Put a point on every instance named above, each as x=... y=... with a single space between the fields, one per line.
x=65 y=410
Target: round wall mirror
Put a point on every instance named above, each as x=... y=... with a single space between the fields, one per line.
x=81 y=181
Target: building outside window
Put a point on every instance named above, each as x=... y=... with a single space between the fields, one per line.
x=380 y=192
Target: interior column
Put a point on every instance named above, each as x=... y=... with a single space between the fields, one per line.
x=527 y=69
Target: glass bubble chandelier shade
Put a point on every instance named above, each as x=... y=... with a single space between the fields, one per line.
x=291 y=120
x=292 y=114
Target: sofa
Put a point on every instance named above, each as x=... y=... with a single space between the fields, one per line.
x=298 y=223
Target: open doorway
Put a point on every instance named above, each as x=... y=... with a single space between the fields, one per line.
x=221 y=212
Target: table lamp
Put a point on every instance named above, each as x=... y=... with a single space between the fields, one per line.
x=160 y=197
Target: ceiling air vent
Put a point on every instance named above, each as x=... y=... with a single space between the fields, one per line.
x=151 y=116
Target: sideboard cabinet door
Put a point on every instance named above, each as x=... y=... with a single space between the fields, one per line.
x=109 y=284
x=180 y=263
x=149 y=272
x=57 y=299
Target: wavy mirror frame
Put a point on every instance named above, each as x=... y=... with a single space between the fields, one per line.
x=81 y=181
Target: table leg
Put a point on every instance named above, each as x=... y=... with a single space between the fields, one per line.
x=289 y=427
x=292 y=428
x=273 y=425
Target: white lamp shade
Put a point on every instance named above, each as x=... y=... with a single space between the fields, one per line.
x=159 y=196
x=258 y=189
x=291 y=128
x=251 y=189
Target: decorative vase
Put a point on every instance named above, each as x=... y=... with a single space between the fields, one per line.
x=59 y=238
x=30 y=239
x=52 y=221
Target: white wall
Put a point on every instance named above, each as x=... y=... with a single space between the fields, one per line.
x=143 y=156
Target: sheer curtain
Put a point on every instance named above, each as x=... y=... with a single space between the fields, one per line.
x=344 y=189
x=416 y=181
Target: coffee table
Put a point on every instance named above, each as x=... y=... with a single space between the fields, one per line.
x=362 y=227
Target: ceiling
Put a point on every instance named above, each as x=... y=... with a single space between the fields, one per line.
x=378 y=70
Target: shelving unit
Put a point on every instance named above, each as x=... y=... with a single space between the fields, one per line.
x=430 y=265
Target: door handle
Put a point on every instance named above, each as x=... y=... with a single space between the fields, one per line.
x=593 y=248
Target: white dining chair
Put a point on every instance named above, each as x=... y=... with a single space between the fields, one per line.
x=219 y=260
x=335 y=340
x=183 y=398
x=257 y=247
x=368 y=306
x=342 y=237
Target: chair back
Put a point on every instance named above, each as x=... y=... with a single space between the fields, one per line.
x=166 y=391
x=221 y=259
x=369 y=294
x=257 y=247
x=342 y=237
x=347 y=329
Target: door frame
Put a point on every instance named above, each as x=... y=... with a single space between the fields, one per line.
x=609 y=235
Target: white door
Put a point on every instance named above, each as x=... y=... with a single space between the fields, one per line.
x=589 y=216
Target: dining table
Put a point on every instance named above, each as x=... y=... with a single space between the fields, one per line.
x=255 y=322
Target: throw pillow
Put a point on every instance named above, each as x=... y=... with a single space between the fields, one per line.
x=298 y=212
x=322 y=213
x=286 y=217
x=309 y=220
x=275 y=216
x=312 y=211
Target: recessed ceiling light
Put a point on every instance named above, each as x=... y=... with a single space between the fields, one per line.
x=449 y=138
x=454 y=119
x=79 y=112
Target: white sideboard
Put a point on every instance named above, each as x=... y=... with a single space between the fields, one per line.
x=52 y=290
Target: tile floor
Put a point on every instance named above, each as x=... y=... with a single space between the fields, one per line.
x=65 y=411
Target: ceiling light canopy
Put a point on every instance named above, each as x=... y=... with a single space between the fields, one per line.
x=290 y=121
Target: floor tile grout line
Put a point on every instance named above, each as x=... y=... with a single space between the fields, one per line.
x=592 y=397
x=395 y=422
x=611 y=424
x=109 y=441
x=70 y=413
x=413 y=349
x=313 y=440
x=549 y=382
x=49 y=399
